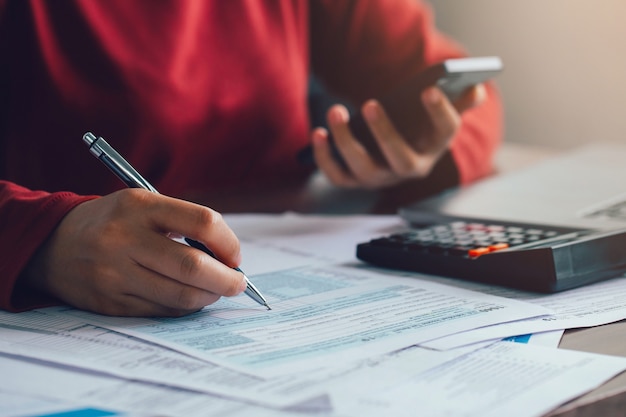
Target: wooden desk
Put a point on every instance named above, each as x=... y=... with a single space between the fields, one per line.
x=610 y=398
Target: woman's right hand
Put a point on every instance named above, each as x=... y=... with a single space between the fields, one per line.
x=113 y=256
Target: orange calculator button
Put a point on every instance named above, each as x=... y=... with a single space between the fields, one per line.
x=477 y=252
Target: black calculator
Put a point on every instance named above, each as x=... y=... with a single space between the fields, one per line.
x=539 y=258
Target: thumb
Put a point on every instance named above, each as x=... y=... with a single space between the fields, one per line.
x=471 y=97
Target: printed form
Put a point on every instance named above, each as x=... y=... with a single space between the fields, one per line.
x=322 y=313
x=502 y=379
x=84 y=391
x=592 y=305
x=71 y=342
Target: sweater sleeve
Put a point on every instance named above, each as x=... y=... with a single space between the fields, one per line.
x=363 y=48
x=26 y=219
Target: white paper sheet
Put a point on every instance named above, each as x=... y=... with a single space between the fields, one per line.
x=390 y=380
x=503 y=379
x=592 y=305
x=320 y=314
x=68 y=341
x=22 y=405
x=66 y=387
x=272 y=242
x=310 y=239
x=509 y=379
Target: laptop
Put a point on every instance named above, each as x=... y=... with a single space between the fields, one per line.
x=583 y=188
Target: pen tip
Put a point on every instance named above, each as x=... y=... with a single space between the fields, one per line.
x=268 y=306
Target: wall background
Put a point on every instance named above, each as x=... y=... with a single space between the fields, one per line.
x=564 y=82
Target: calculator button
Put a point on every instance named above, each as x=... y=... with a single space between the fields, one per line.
x=517 y=236
x=476 y=252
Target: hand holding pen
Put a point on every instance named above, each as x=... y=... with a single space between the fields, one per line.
x=125 y=172
x=111 y=255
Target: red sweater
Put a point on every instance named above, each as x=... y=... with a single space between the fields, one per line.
x=198 y=95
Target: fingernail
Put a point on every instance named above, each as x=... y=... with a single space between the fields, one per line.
x=481 y=93
x=243 y=285
x=319 y=135
x=431 y=95
x=339 y=114
x=370 y=110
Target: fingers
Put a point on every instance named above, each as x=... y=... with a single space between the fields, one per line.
x=187 y=266
x=158 y=290
x=354 y=153
x=326 y=161
x=130 y=305
x=112 y=256
x=182 y=263
x=197 y=222
x=444 y=118
x=404 y=158
x=405 y=161
x=472 y=97
x=361 y=169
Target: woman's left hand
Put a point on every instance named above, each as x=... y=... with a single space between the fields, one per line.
x=403 y=161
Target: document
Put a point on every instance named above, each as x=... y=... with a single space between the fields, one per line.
x=320 y=314
x=505 y=378
x=28 y=405
x=59 y=387
x=23 y=405
x=546 y=339
x=502 y=379
x=70 y=342
x=271 y=242
x=309 y=239
x=592 y=305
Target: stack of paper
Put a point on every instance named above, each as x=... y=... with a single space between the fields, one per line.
x=343 y=339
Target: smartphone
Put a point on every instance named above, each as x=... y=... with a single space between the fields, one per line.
x=404 y=105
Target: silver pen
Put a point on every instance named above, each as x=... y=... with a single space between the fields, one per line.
x=124 y=171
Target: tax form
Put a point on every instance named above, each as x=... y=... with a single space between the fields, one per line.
x=71 y=342
x=304 y=239
x=502 y=379
x=56 y=388
x=320 y=314
x=592 y=305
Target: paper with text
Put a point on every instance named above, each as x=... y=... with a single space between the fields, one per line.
x=592 y=305
x=71 y=342
x=65 y=385
x=503 y=379
x=320 y=314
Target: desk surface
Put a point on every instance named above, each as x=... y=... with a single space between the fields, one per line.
x=608 y=399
